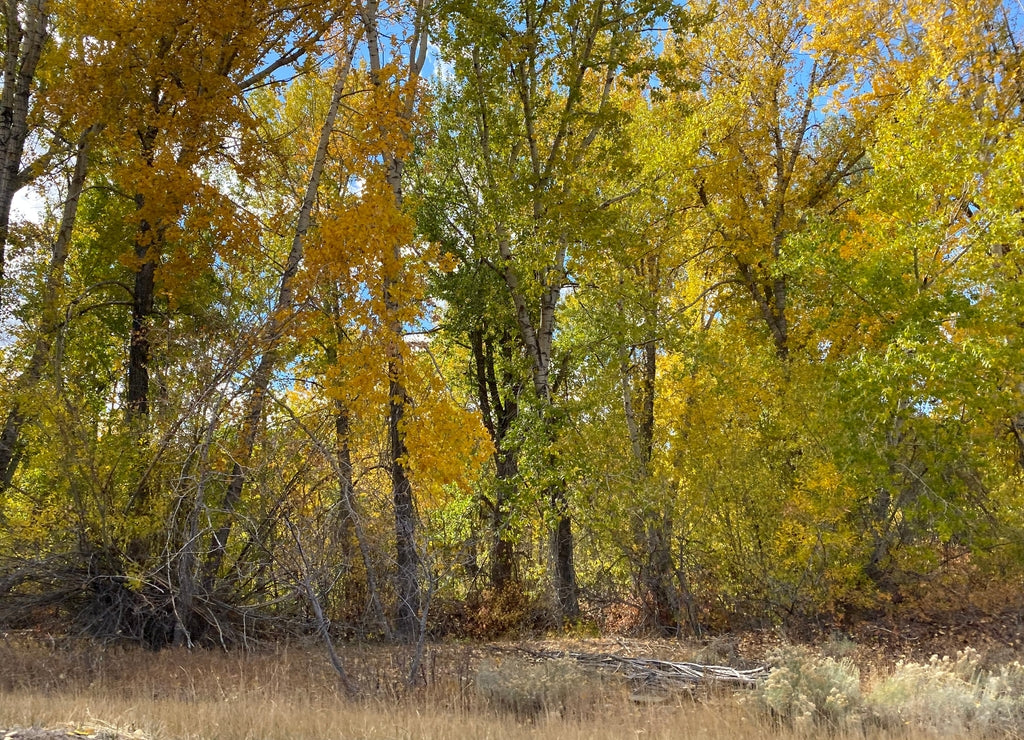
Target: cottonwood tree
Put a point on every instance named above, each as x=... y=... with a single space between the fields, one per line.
x=398 y=78
x=535 y=81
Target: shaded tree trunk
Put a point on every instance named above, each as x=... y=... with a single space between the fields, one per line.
x=563 y=547
x=657 y=574
x=537 y=343
x=407 y=558
x=147 y=254
x=499 y=413
x=1017 y=430
x=10 y=451
x=142 y=309
x=503 y=547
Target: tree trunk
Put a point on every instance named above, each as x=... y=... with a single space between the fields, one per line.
x=147 y=254
x=657 y=574
x=343 y=453
x=503 y=553
x=10 y=452
x=498 y=416
x=770 y=298
x=537 y=343
x=23 y=47
x=407 y=558
x=142 y=309
x=10 y=436
x=407 y=588
x=566 y=589
x=1017 y=430
x=652 y=532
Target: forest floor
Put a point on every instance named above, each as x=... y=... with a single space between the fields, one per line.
x=61 y=688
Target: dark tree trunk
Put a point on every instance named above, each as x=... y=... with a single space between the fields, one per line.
x=770 y=298
x=346 y=488
x=646 y=426
x=142 y=309
x=10 y=452
x=499 y=411
x=147 y=255
x=1017 y=430
x=537 y=343
x=566 y=589
x=407 y=558
x=503 y=553
x=658 y=568
x=658 y=577
x=408 y=617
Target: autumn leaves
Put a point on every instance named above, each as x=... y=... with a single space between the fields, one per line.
x=716 y=311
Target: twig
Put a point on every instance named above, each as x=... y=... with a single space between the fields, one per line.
x=321 y=620
x=421 y=638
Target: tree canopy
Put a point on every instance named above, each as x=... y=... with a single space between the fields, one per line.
x=474 y=316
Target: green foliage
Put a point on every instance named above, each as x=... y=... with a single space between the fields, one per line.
x=733 y=311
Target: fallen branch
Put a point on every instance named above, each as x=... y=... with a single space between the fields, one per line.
x=655 y=671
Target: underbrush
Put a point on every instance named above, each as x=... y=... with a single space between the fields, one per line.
x=528 y=690
x=482 y=691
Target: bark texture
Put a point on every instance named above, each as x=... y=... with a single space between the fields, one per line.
x=26 y=34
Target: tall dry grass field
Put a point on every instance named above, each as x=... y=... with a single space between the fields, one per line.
x=290 y=693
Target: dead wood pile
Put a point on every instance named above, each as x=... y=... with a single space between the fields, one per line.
x=655 y=672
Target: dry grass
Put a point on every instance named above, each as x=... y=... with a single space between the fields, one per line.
x=290 y=693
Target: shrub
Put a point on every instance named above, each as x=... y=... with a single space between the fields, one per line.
x=529 y=690
x=803 y=689
x=952 y=696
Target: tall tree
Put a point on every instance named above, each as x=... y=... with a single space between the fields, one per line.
x=49 y=314
x=278 y=324
x=406 y=89
x=773 y=156
x=536 y=81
